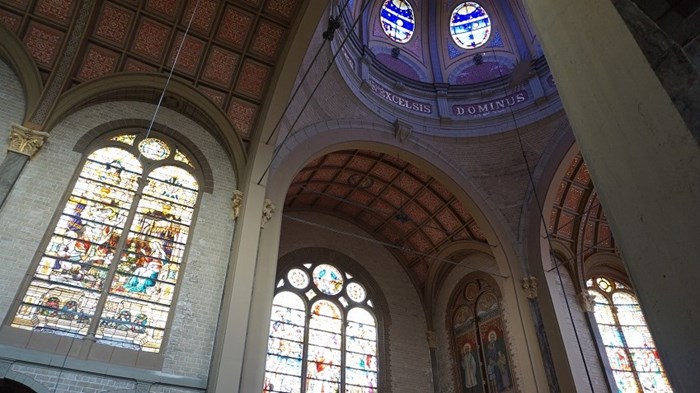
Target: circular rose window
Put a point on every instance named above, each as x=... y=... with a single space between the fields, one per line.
x=470 y=25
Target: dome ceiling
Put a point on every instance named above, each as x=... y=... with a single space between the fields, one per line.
x=391 y=199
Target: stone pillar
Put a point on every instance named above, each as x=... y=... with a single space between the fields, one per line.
x=230 y=346
x=24 y=144
x=643 y=160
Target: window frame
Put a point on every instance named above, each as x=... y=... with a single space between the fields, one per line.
x=48 y=341
x=380 y=311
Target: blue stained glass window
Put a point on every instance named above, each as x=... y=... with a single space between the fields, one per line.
x=398 y=20
x=319 y=342
x=114 y=255
x=470 y=25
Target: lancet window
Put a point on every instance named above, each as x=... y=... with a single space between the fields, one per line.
x=628 y=344
x=110 y=266
x=323 y=333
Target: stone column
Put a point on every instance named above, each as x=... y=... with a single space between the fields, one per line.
x=24 y=144
x=643 y=160
x=230 y=346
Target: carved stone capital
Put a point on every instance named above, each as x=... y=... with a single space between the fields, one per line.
x=268 y=209
x=236 y=202
x=432 y=339
x=586 y=301
x=529 y=284
x=25 y=141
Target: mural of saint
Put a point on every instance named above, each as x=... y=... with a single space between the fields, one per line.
x=469 y=369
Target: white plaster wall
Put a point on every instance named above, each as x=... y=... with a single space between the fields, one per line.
x=408 y=347
x=12 y=104
x=27 y=214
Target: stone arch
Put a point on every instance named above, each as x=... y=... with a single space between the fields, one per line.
x=27 y=381
x=180 y=97
x=14 y=52
x=319 y=139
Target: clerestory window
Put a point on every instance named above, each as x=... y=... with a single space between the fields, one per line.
x=109 y=268
x=323 y=333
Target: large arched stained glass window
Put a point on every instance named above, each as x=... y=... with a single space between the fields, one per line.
x=323 y=333
x=397 y=19
x=91 y=279
x=631 y=351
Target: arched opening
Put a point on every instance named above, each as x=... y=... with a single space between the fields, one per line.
x=10 y=386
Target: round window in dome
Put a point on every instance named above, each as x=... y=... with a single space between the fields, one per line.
x=470 y=26
x=397 y=20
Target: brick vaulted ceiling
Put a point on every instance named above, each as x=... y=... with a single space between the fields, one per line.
x=229 y=54
x=391 y=199
x=577 y=217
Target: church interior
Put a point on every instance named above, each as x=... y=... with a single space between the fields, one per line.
x=357 y=196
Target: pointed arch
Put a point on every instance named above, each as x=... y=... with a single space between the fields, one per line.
x=13 y=50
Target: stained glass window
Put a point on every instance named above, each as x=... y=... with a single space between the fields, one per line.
x=470 y=25
x=397 y=19
x=630 y=348
x=93 y=280
x=320 y=342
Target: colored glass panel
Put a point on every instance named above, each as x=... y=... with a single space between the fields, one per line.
x=63 y=296
x=356 y=292
x=154 y=149
x=128 y=139
x=398 y=20
x=470 y=25
x=328 y=279
x=315 y=345
x=180 y=156
x=298 y=278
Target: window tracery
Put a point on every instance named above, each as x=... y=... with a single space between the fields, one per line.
x=398 y=20
x=628 y=344
x=323 y=333
x=470 y=25
x=91 y=280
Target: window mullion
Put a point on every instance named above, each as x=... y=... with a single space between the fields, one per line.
x=626 y=348
x=305 y=351
x=118 y=250
x=343 y=347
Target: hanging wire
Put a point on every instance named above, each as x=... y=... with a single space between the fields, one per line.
x=170 y=74
x=323 y=76
x=389 y=245
x=544 y=222
x=148 y=133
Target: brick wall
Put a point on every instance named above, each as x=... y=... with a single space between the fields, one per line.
x=12 y=104
x=409 y=354
x=39 y=191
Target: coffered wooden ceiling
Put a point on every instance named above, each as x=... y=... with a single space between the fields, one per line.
x=229 y=54
x=577 y=217
x=393 y=200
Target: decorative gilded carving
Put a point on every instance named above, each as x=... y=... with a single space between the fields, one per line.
x=586 y=301
x=268 y=209
x=236 y=202
x=25 y=141
x=529 y=284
